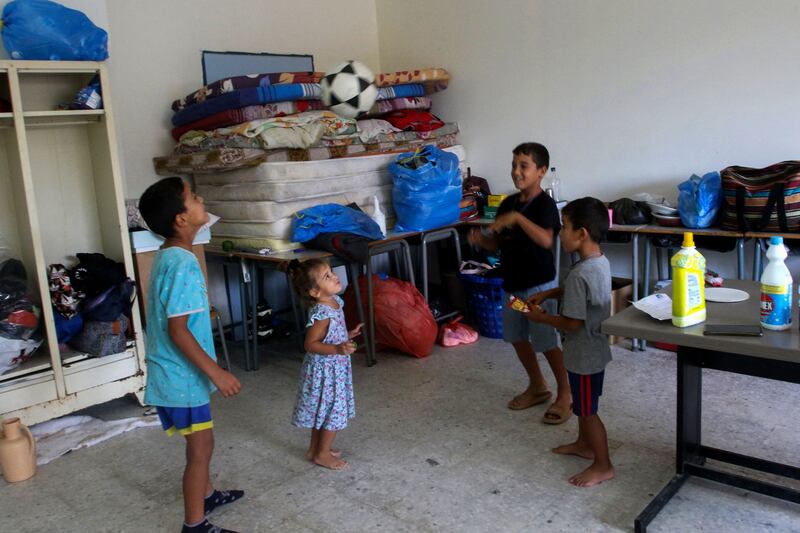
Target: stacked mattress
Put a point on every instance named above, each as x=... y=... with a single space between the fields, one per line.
x=257 y=204
x=262 y=147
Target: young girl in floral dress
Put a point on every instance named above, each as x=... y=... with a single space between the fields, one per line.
x=325 y=396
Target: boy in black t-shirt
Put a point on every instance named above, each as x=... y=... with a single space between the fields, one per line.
x=524 y=231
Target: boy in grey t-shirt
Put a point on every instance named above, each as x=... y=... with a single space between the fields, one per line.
x=586 y=303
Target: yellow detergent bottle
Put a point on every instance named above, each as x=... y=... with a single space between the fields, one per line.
x=688 y=285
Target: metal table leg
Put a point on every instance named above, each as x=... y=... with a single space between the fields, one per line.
x=255 y=289
x=393 y=246
x=244 y=289
x=635 y=276
x=756 y=259
x=740 y=258
x=431 y=237
x=353 y=271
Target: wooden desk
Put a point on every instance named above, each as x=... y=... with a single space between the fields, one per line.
x=776 y=356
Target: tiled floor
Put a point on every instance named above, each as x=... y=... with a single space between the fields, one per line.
x=433 y=448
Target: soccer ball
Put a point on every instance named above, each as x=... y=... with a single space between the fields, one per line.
x=349 y=89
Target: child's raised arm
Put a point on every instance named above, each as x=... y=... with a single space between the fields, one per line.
x=316 y=334
x=178 y=330
x=477 y=238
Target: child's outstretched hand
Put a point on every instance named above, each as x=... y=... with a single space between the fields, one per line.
x=346 y=348
x=536 y=299
x=226 y=383
x=355 y=332
x=536 y=313
x=506 y=220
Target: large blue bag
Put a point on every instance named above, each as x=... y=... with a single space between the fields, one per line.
x=41 y=29
x=333 y=218
x=700 y=200
x=427 y=189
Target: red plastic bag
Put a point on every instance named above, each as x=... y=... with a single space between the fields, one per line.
x=403 y=320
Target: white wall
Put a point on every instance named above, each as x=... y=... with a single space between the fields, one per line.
x=156 y=50
x=628 y=95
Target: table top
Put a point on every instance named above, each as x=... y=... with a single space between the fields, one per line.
x=776 y=345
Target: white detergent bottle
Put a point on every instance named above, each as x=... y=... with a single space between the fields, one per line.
x=378 y=216
x=776 y=288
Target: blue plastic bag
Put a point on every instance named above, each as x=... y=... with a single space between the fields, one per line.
x=427 y=189
x=333 y=218
x=700 y=200
x=41 y=29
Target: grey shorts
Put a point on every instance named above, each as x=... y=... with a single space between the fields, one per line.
x=517 y=328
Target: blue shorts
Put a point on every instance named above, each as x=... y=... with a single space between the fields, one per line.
x=586 y=391
x=517 y=327
x=185 y=420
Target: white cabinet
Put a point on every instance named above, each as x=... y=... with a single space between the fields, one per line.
x=61 y=193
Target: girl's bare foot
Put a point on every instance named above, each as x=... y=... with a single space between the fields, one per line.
x=575 y=448
x=594 y=475
x=310 y=454
x=328 y=460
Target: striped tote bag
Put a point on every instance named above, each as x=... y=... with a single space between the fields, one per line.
x=762 y=199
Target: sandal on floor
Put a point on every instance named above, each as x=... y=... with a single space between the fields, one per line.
x=557 y=415
x=536 y=399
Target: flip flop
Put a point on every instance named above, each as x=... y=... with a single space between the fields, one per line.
x=560 y=415
x=536 y=399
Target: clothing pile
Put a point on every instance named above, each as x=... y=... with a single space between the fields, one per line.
x=263 y=147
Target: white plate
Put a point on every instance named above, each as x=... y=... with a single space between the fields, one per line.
x=662 y=209
x=725 y=295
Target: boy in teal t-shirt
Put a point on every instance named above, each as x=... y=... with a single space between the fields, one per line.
x=182 y=368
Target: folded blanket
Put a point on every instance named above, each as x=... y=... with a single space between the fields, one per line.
x=224 y=159
x=294 y=131
x=229 y=117
x=400 y=91
x=434 y=79
x=276 y=93
x=382 y=107
x=245 y=97
x=228 y=85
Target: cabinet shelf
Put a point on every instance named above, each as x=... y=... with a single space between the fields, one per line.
x=39 y=362
x=61 y=193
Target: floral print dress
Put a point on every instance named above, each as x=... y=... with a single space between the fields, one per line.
x=325 y=395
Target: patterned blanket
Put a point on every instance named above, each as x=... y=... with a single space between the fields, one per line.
x=276 y=93
x=204 y=143
x=228 y=85
x=294 y=131
x=434 y=79
x=230 y=117
x=246 y=97
x=224 y=159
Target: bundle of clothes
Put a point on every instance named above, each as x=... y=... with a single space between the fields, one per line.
x=248 y=120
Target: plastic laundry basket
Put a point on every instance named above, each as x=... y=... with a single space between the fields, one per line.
x=486 y=298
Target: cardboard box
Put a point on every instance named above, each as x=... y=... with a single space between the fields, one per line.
x=621 y=293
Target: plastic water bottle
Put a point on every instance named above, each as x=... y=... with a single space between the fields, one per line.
x=688 y=285
x=776 y=288
x=555 y=184
x=378 y=216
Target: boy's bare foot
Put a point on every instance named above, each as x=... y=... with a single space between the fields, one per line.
x=594 y=475
x=529 y=398
x=575 y=448
x=329 y=461
x=310 y=454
